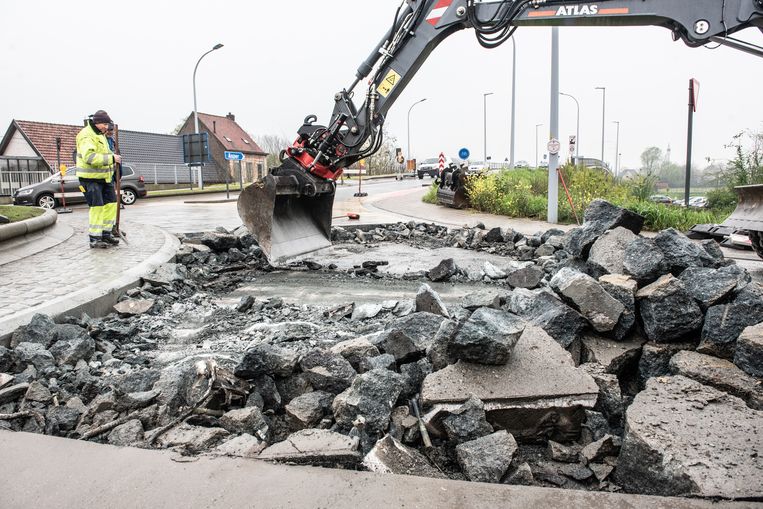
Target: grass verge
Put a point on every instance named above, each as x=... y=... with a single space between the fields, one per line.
x=16 y=213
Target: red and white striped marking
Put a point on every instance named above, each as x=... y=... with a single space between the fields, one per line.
x=438 y=11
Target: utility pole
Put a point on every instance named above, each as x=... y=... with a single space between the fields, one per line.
x=409 y=126
x=553 y=158
x=536 y=144
x=617 y=149
x=513 y=99
x=484 y=120
x=603 y=117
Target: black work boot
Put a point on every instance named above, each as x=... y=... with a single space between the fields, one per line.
x=108 y=239
x=98 y=243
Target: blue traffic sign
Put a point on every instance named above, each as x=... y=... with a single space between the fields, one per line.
x=234 y=156
x=464 y=153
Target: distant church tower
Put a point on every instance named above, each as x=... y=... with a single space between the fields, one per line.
x=667 y=155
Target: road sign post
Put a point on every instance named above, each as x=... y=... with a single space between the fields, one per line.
x=232 y=156
x=693 y=96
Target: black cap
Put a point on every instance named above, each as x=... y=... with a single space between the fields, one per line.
x=101 y=117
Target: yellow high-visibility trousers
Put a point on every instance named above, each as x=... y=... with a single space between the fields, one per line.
x=96 y=222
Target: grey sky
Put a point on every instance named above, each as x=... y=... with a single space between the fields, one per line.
x=285 y=59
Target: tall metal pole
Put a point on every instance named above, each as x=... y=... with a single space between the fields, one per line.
x=513 y=100
x=484 y=121
x=577 y=131
x=409 y=125
x=195 y=109
x=617 y=149
x=536 y=144
x=689 y=136
x=603 y=117
x=553 y=159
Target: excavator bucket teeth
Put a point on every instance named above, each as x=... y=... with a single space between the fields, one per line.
x=285 y=222
x=749 y=212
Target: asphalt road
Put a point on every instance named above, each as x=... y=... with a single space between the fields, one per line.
x=193 y=213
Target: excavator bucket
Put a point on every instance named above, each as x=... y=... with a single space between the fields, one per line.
x=284 y=220
x=452 y=189
x=749 y=212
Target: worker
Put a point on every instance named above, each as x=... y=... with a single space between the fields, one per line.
x=95 y=170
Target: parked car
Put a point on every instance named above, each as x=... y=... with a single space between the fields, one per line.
x=45 y=194
x=522 y=164
x=661 y=198
x=698 y=201
x=429 y=167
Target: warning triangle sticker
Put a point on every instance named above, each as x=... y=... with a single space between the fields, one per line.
x=391 y=79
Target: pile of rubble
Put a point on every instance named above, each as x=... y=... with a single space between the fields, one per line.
x=595 y=359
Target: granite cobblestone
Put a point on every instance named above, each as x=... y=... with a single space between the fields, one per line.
x=72 y=266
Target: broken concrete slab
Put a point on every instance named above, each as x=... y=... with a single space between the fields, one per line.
x=544 y=309
x=622 y=288
x=417 y=329
x=484 y=299
x=683 y=438
x=307 y=410
x=608 y=252
x=267 y=359
x=614 y=356
x=129 y=433
x=680 y=252
x=327 y=371
x=166 y=274
x=445 y=270
x=13 y=392
x=372 y=395
x=390 y=456
x=655 y=359
x=587 y=296
x=242 y=446
x=487 y=337
x=725 y=322
x=563 y=453
x=607 y=445
x=493 y=272
x=749 y=351
x=315 y=447
x=192 y=438
x=41 y=329
x=246 y=420
x=528 y=276
x=134 y=307
x=708 y=286
x=365 y=311
x=667 y=310
x=355 y=350
x=539 y=376
x=719 y=373
x=427 y=300
x=610 y=401
x=487 y=459
x=467 y=422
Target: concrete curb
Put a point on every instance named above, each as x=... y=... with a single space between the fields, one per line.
x=32 y=243
x=204 y=202
x=96 y=300
x=9 y=231
x=45 y=471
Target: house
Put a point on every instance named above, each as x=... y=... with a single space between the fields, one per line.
x=225 y=135
x=157 y=157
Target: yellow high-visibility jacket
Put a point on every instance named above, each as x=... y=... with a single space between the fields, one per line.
x=95 y=160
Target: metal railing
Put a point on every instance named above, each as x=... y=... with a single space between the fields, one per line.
x=17 y=172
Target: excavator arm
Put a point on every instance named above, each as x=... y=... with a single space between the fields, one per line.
x=289 y=211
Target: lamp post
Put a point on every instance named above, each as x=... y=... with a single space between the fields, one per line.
x=484 y=121
x=513 y=99
x=409 y=125
x=577 y=132
x=195 y=109
x=536 y=144
x=617 y=149
x=603 y=111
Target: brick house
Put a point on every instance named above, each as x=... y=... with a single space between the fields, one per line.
x=226 y=135
x=157 y=157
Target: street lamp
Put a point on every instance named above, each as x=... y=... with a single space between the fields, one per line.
x=195 y=109
x=536 y=144
x=577 y=132
x=513 y=99
x=603 y=110
x=617 y=149
x=484 y=121
x=409 y=125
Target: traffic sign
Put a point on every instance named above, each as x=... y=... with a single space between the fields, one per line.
x=464 y=153
x=234 y=156
x=554 y=146
x=442 y=162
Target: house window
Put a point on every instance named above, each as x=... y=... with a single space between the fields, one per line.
x=250 y=171
x=260 y=170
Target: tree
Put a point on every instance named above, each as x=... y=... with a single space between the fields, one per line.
x=178 y=127
x=273 y=144
x=650 y=160
x=383 y=161
x=747 y=166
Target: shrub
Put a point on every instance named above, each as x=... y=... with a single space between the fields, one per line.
x=721 y=198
